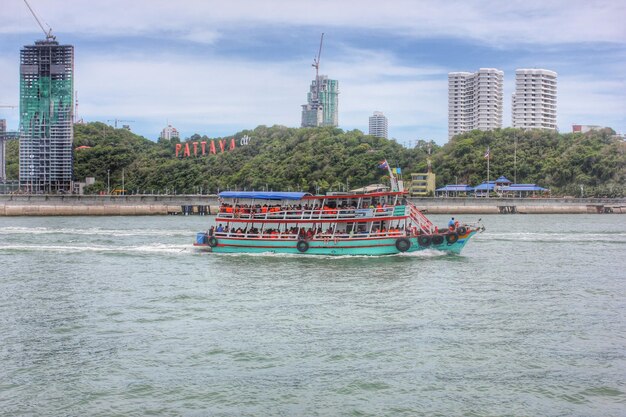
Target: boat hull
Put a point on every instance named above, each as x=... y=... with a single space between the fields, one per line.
x=339 y=247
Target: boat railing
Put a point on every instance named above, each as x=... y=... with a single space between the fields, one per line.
x=314 y=214
x=317 y=236
x=419 y=219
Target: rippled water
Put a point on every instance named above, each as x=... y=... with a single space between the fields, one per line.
x=120 y=316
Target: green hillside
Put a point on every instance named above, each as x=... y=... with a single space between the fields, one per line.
x=325 y=159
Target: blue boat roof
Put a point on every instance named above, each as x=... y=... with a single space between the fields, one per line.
x=263 y=195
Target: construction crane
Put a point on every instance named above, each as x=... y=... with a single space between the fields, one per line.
x=316 y=65
x=118 y=120
x=48 y=33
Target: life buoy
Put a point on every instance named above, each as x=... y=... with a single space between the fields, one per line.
x=302 y=246
x=437 y=240
x=452 y=238
x=403 y=244
x=423 y=240
x=462 y=230
x=212 y=241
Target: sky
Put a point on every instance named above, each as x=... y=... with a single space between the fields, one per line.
x=218 y=67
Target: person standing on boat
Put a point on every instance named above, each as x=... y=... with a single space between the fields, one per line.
x=451 y=224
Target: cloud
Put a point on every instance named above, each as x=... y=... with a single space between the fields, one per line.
x=489 y=21
x=213 y=91
x=225 y=66
x=589 y=100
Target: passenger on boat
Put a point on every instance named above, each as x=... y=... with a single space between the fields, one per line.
x=451 y=224
x=220 y=228
x=211 y=230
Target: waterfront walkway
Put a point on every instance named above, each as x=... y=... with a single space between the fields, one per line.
x=140 y=205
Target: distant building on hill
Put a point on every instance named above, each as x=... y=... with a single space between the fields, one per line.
x=474 y=100
x=587 y=128
x=322 y=108
x=534 y=100
x=378 y=125
x=169 y=133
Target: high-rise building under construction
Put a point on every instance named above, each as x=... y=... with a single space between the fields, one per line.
x=322 y=104
x=46 y=115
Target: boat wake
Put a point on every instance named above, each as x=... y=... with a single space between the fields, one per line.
x=557 y=237
x=91 y=232
x=140 y=249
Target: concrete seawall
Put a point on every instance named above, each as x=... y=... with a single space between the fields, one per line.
x=145 y=205
x=134 y=205
x=520 y=205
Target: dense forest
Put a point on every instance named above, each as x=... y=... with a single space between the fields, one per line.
x=329 y=159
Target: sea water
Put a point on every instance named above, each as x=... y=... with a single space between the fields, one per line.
x=121 y=316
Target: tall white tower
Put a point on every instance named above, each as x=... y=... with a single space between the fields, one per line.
x=534 y=100
x=474 y=100
x=378 y=125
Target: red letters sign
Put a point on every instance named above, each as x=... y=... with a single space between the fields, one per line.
x=200 y=148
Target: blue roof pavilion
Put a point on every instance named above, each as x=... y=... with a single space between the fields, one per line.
x=522 y=190
x=503 y=181
x=454 y=190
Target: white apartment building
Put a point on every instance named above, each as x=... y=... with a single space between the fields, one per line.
x=475 y=100
x=378 y=125
x=169 y=133
x=534 y=100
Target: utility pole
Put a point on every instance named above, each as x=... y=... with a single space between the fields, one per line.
x=108 y=182
x=488 y=158
x=123 y=190
x=515 y=161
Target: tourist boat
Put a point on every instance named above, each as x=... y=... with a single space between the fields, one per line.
x=374 y=223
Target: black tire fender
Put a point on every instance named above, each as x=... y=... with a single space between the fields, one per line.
x=212 y=241
x=452 y=237
x=403 y=244
x=302 y=246
x=424 y=240
x=437 y=240
x=462 y=230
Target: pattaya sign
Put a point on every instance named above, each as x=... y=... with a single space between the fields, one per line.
x=200 y=148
